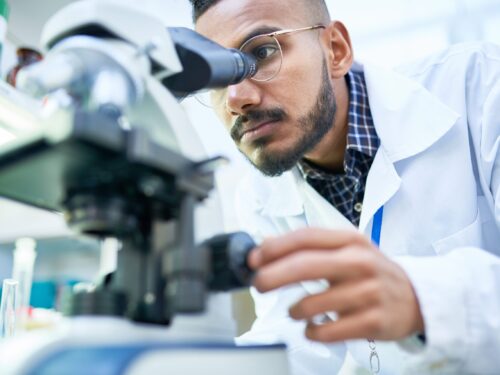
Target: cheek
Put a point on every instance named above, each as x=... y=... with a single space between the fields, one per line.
x=299 y=82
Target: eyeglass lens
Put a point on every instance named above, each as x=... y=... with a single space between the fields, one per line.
x=269 y=56
x=267 y=52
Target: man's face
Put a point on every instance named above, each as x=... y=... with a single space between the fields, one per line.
x=274 y=123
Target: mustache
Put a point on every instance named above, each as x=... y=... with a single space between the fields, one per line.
x=238 y=129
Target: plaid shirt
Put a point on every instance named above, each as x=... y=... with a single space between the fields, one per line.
x=346 y=191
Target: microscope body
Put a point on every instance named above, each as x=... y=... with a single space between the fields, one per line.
x=116 y=154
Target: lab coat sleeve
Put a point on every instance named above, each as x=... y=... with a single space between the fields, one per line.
x=459 y=293
x=273 y=323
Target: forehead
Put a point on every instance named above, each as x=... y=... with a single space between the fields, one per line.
x=231 y=22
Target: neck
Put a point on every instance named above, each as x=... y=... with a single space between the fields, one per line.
x=330 y=151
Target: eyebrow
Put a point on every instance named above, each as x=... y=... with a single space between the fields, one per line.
x=259 y=31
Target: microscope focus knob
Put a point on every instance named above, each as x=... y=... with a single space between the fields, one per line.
x=228 y=261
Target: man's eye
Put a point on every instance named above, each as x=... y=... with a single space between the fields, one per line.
x=264 y=52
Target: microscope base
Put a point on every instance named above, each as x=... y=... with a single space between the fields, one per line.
x=185 y=359
x=96 y=346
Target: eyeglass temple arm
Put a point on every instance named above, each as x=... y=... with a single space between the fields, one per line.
x=289 y=31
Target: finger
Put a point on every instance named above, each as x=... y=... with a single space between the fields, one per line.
x=254 y=259
x=307 y=238
x=361 y=325
x=338 y=266
x=342 y=299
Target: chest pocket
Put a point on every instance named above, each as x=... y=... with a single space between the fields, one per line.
x=475 y=234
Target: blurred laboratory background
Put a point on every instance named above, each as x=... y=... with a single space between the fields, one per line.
x=386 y=32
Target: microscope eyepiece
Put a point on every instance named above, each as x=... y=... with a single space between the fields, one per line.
x=206 y=64
x=245 y=66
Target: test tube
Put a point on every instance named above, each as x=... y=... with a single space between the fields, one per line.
x=8 y=308
x=24 y=261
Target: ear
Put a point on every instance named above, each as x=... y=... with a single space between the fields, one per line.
x=339 y=53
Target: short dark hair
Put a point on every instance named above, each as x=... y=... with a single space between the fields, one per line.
x=201 y=6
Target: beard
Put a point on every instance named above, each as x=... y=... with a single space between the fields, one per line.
x=313 y=127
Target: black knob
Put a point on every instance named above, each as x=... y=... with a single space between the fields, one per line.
x=228 y=261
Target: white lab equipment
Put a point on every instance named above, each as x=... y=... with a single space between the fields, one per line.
x=127 y=164
x=109 y=256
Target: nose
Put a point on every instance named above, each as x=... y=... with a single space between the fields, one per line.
x=242 y=97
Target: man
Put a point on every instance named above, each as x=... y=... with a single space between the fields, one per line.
x=411 y=159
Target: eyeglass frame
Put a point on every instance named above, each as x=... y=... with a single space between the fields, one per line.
x=275 y=35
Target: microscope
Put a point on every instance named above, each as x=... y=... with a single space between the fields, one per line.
x=115 y=153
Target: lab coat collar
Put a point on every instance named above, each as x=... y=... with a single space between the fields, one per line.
x=280 y=196
x=408 y=120
x=407 y=117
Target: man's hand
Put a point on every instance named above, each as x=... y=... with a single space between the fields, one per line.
x=372 y=295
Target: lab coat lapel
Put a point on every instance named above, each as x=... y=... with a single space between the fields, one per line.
x=280 y=196
x=407 y=117
x=408 y=120
x=382 y=183
x=319 y=213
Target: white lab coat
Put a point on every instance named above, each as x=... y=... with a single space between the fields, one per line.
x=437 y=174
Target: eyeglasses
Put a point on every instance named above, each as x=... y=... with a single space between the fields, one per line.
x=267 y=51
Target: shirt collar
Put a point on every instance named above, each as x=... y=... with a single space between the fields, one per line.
x=361 y=134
